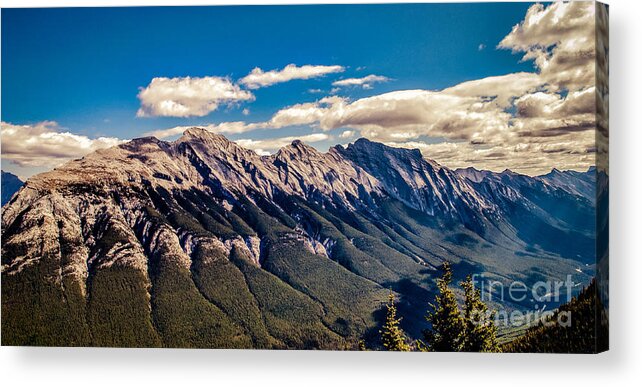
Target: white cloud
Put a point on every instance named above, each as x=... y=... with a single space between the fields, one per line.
x=481 y=47
x=407 y=114
x=299 y=114
x=266 y=146
x=560 y=38
x=365 y=82
x=552 y=105
x=188 y=96
x=45 y=144
x=500 y=89
x=347 y=134
x=258 y=78
x=233 y=127
x=303 y=114
x=533 y=159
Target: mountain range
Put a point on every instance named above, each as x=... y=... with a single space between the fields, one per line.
x=200 y=242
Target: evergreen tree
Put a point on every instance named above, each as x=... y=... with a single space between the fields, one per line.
x=480 y=331
x=392 y=335
x=447 y=332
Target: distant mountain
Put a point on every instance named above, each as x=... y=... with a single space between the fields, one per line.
x=473 y=174
x=10 y=185
x=579 y=183
x=574 y=182
x=543 y=214
x=203 y=243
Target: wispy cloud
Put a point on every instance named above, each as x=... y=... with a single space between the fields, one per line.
x=258 y=78
x=364 y=82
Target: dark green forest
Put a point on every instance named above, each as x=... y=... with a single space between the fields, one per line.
x=586 y=333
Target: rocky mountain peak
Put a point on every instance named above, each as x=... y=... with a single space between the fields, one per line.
x=508 y=172
x=297 y=150
x=197 y=134
x=397 y=156
x=141 y=144
x=473 y=174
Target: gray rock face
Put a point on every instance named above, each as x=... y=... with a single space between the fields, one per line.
x=82 y=191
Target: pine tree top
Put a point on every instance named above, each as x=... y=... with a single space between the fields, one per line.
x=392 y=336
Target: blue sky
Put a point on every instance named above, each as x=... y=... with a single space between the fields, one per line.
x=84 y=67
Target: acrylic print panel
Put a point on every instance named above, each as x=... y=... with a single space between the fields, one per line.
x=405 y=177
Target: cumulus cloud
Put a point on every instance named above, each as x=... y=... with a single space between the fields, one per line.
x=546 y=130
x=501 y=90
x=258 y=78
x=553 y=105
x=412 y=113
x=267 y=146
x=364 y=82
x=45 y=144
x=303 y=114
x=560 y=39
x=469 y=111
x=401 y=114
x=299 y=114
x=188 y=96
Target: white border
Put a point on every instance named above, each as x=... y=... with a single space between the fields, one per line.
x=114 y=367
